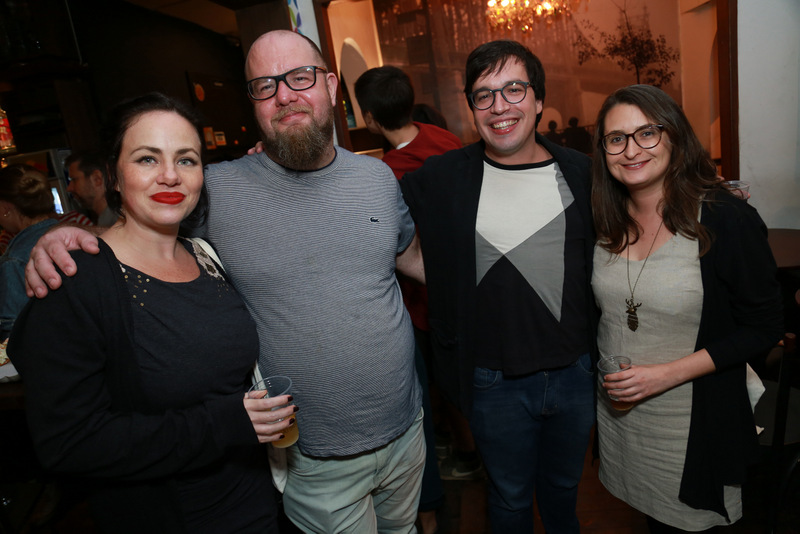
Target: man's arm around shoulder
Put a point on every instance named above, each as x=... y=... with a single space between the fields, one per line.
x=52 y=250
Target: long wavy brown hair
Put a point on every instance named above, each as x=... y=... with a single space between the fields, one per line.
x=690 y=175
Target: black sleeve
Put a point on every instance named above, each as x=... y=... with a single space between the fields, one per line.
x=741 y=275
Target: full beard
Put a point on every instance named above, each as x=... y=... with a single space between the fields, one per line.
x=301 y=147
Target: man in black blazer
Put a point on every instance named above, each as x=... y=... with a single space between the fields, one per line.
x=507 y=238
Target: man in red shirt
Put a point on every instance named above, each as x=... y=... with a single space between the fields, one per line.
x=386 y=98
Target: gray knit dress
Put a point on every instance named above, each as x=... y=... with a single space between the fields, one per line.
x=642 y=451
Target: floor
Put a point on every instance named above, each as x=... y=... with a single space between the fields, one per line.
x=464 y=511
x=598 y=511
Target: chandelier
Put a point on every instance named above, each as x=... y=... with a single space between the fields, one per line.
x=524 y=14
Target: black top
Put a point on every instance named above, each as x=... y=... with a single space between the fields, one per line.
x=194 y=342
x=143 y=431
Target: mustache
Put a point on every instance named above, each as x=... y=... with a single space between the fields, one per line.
x=293 y=109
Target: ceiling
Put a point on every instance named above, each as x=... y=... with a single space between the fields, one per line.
x=218 y=15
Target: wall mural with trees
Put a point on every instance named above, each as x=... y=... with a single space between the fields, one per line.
x=632 y=47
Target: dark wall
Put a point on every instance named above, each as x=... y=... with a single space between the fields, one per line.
x=124 y=50
x=131 y=50
x=30 y=28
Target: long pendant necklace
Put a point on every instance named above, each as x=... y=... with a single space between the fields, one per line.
x=633 y=318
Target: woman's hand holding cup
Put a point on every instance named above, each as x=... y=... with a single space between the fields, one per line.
x=268 y=405
x=608 y=366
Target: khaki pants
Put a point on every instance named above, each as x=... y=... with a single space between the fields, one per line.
x=373 y=492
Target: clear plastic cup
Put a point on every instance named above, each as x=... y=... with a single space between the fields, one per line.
x=614 y=364
x=275 y=386
x=738 y=187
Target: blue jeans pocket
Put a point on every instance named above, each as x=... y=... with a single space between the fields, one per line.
x=584 y=363
x=483 y=378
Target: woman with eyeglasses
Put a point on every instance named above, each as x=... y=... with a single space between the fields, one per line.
x=687 y=289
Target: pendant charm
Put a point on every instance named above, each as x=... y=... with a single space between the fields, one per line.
x=633 y=319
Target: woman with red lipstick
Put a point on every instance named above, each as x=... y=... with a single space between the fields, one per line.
x=685 y=281
x=136 y=368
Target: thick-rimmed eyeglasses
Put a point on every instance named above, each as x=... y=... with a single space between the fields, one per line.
x=513 y=93
x=298 y=79
x=648 y=136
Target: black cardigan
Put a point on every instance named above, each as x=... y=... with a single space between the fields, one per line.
x=87 y=414
x=741 y=319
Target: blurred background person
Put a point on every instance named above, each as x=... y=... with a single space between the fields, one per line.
x=26 y=212
x=87 y=183
x=455 y=447
x=143 y=399
x=686 y=284
x=386 y=97
x=5 y=239
x=552 y=134
x=577 y=137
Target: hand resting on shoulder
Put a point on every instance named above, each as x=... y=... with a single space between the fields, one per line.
x=52 y=250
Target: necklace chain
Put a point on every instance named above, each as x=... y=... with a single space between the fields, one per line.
x=633 y=318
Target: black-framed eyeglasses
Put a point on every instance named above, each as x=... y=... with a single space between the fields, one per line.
x=513 y=93
x=647 y=136
x=298 y=79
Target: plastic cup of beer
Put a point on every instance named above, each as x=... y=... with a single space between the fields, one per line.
x=275 y=386
x=738 y=187
x=614 y=364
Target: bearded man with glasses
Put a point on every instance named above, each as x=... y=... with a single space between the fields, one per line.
x=311 y=235
x=507 y=237
x=281 y=132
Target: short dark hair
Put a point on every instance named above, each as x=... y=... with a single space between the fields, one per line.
x=27 y=189
x=428 y=114
x=120 y=119
x=492 y=56
x=88 y=161
x=690 y=175
x=386 y=92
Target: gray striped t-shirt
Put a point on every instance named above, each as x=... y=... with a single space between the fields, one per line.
x=313 y=256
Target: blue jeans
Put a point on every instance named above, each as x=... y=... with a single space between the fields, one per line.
x=532 y=433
